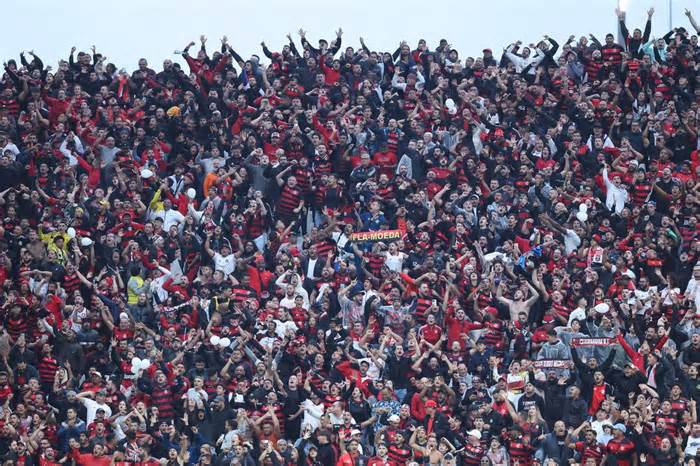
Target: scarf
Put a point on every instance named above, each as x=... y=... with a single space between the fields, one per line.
x=123 y=90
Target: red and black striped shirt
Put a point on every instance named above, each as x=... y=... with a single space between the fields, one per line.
x=162 y=398
x=423 y=303
x=303 y=176
x=290 y=199
x=47 y=369
x=255 y=224
x=520 y=452
x=588 y=450
x=71 y=283
x=401 y=455
x=640 y=192
x=472 y=454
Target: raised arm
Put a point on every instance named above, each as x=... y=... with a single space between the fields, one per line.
x=500 y=298
x=535 y=295
x=692 y=21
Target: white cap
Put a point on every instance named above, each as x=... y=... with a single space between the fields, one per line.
x=71 y=232
x=602 y=308
x=474 y=433
x=146 y=173
x=85 y=241
x=191 y=193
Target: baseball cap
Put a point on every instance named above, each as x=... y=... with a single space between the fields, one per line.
x=395 y=418
x=621 y=427
x=474 y=433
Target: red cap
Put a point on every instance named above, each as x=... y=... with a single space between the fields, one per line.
x=430 y=404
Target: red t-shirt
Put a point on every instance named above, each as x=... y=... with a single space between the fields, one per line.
x=386 y=162
x=431 y=333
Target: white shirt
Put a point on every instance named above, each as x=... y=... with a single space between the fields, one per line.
x=394 y=262
x=299 y=290
x=341 y=239
x=310 y=267
x=72 y=160
x=597 y=426
x=312 y=414
x=197 y=395
x=579 y=314
x=268 y=342
x=693 y=447
x=571 y=241
x=227 y=264
x=170 y=217
x=693 y=292
x=374 y=371
x=228 y=437
x=521 y=63
x=288 y=303
x=92 y=406
x=666 y=294
x=616 y=197
x=12 y=148
x=282 y=327
x=157 y=284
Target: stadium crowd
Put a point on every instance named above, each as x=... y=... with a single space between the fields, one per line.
x=353 y=257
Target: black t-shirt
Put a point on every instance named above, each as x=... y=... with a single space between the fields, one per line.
x=396 y=370
x=526 y=401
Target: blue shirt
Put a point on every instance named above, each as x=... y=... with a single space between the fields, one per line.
x=372 y=224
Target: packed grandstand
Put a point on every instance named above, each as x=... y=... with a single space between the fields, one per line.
x=332 y=255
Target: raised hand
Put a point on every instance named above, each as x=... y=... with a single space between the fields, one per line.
x=203 y=39
x=650 y=12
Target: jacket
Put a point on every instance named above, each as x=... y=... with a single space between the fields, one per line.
x=440 y=425
x=575 y=411
x=557 y=350
x=556 y=449
x=585 y=373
